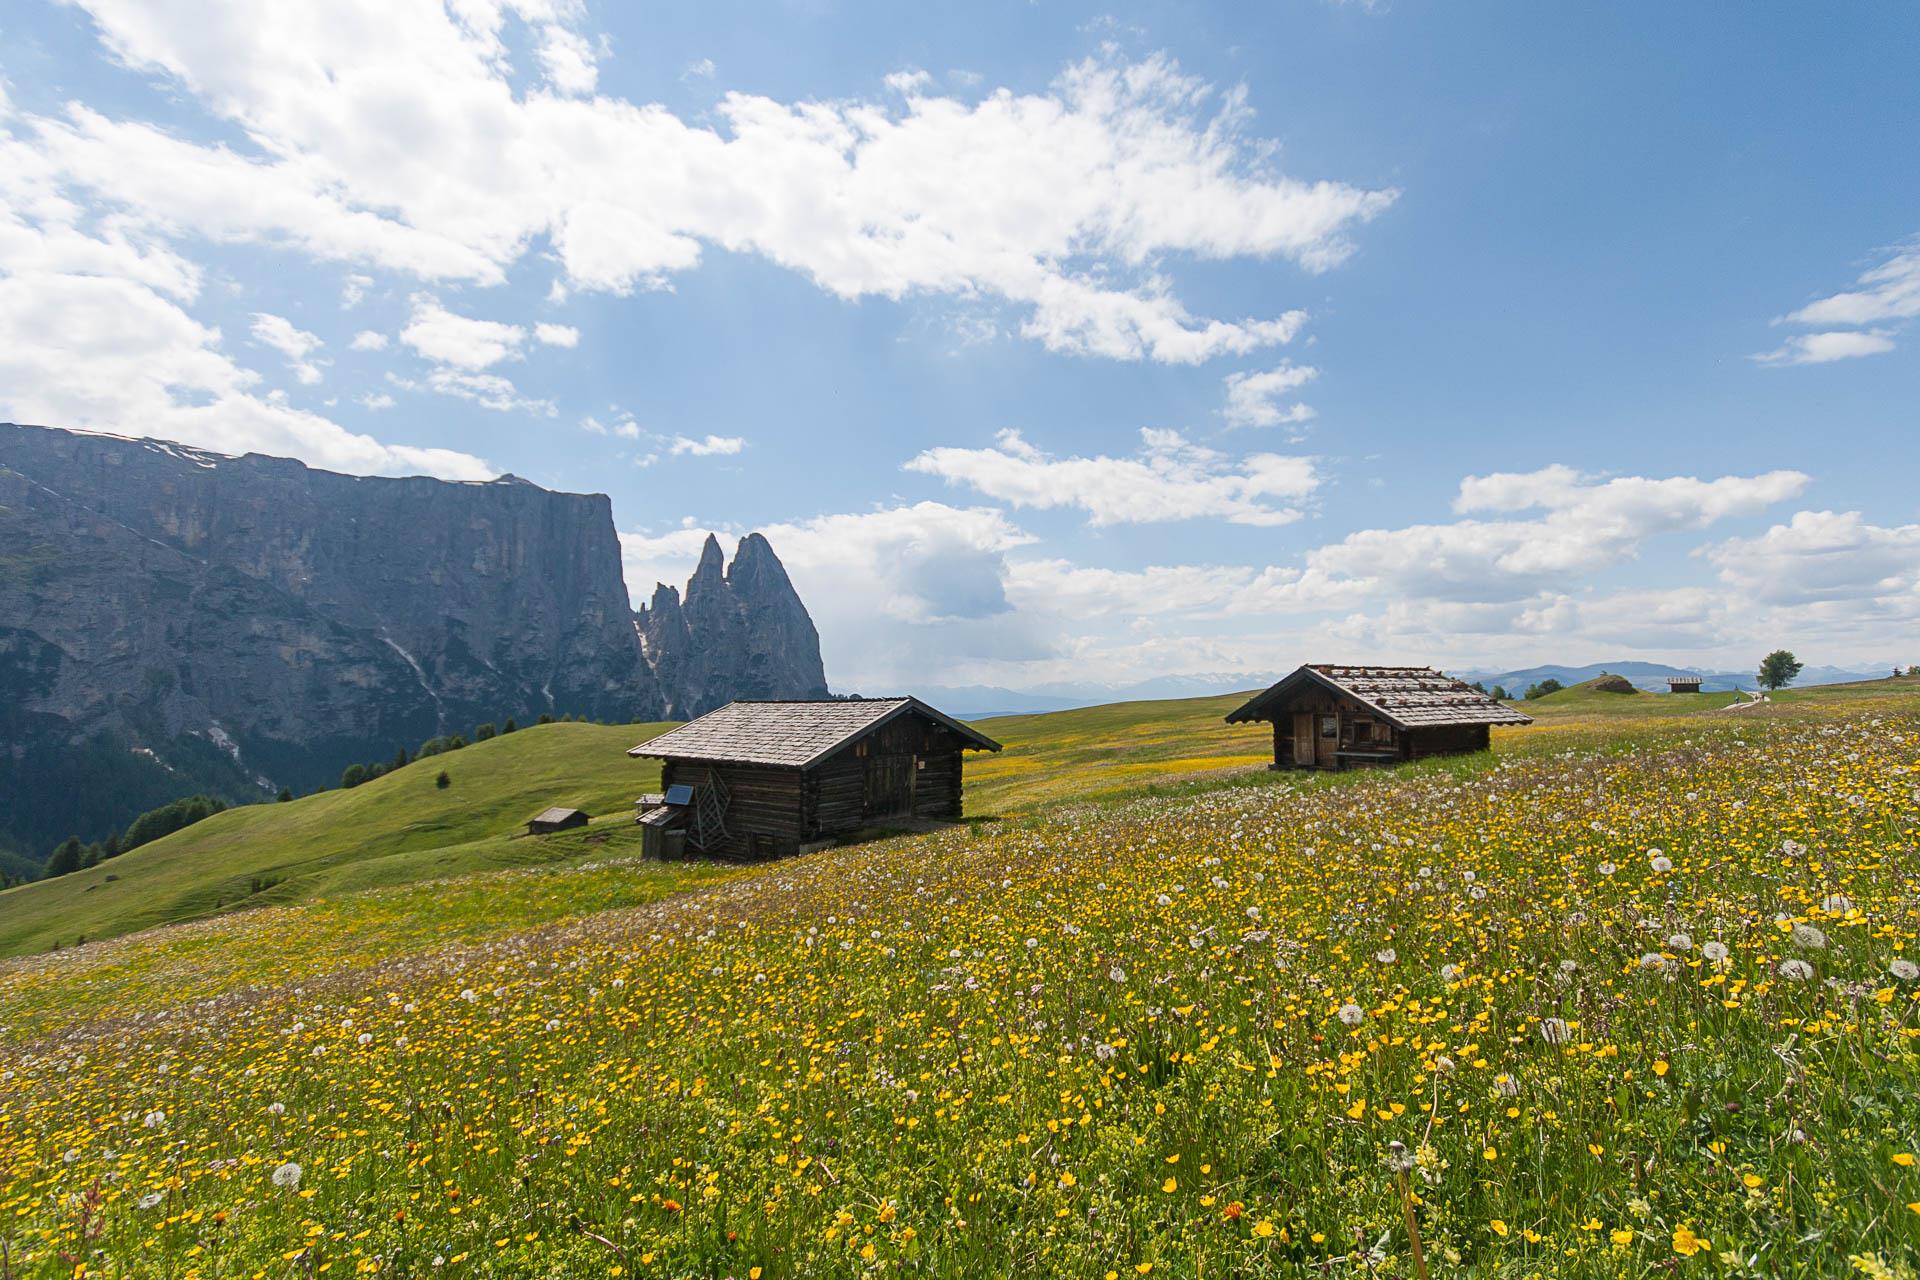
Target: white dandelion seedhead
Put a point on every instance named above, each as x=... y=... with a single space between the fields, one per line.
x=1117 y=974
x=1607 y=868
x=1836 y=904
x=1809 y=937
x=1681 y=942
x=151 y=1200
x=1905 y=970
x=1661 y=864
x=1653 y=961
x=1386 y=955
x=153 y=1119
x=1352 y=1014
x=287 y=1176
x=1796 y=970
x=469 y=994
x=1715 y=951
x=1554 y=1030
x=1506 y=1086
x=1449 y=972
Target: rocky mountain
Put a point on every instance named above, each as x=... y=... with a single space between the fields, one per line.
x=739 y=632
x=173 y=620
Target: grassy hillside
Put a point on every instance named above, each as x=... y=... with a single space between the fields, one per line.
x=1631 y=996
x=396 y=828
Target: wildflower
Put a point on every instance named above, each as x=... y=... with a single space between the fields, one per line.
x=287 y=1176
x=1795 y=970
x=1386 y=955
x=151 y=1200
x=1499 y=1228
x=1352 y=1014
x=1836 y=904
x=1809 y=937
x=1680 y=942
x=153 y=1119
x=1686 y=1244
x=1607 y=868
x=1661 y=864
x=1653 y=960
x=1905 y=970
x=1117 y=974
x=276 y=1108
x=1554 y=1030
x=1716 y=951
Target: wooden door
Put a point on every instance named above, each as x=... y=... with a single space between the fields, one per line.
x=1303 y=740
x=889 y=786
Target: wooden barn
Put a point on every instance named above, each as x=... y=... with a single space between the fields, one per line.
x=547 y=821
x=1683 y=684
x=774 y=778
x=1332 y=717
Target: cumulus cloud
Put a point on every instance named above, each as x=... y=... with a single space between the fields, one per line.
x=1822 y=556
x=296 y=345
x=556 y=335
x=1170 y=478
x=1253 y=399
x=706 y=447
x=394 y=135
x=1884 y=295
x=445 y=337
x=1580 y=524
x=368 y=340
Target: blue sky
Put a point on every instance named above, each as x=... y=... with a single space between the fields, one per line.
x=1047 y=343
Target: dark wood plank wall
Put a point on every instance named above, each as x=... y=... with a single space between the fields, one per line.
x=1357 y=729
x=763 y=802
x=1448 y=739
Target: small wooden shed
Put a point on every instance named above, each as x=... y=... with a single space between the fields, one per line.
x=1335 y=717
x=556 y=819
x=774 y=778
x=1683 y=684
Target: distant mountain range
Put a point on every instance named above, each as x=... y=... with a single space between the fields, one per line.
x=978 y=702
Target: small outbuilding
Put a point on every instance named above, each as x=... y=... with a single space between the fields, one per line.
x=774 y=778
x=1334 y=717
x=1683 y=684
x=556 y=819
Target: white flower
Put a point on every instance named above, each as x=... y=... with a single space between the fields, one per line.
x=1836 y=904
x=469 y=994
x=1449 y=972
x=1352 y=1014
x=1679 y=942
x=276 y=1108
x=1809 y=936
x=1117 y=974
x=154 y=1119
x=1607 y=868
x=1386 y=955
x=1653 y=960
x=1795 y=970
x=151 y=1200
x=1715 y=951
x=287 y=1175
x=1661 y=864
x=364 y=1038
x=1905 y=970
x=1554 y=1030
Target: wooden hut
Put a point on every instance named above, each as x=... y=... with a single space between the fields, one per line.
x=774 y=778
x=1333 y=717
x=556 y=819
x=1683 y=684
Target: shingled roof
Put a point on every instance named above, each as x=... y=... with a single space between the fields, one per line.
x=1409 y=697
x=791 y=734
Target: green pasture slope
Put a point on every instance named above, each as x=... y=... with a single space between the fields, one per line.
x=398 y=828
x=401 y=828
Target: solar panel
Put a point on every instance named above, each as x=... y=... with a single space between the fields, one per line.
x=680 y=794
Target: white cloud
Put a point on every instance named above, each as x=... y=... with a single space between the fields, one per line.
x=1824 y=348
x=556 y=335
x=1585 y=524
x=1253 y=398
x=446 y=338
x=368 y=340
x=377 y=401
x=296 y=345
x=700 y=70
x=1887 y=295
x=488 y=390
x=394 y=135
x=1169 y=479
x=1821 y=556
x=106 y=354
x=625 y=428
x=707 y=447
x=1890 y=291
